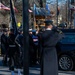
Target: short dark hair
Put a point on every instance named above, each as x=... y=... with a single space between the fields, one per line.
x=5 y=30
x=12 y=30
x=48 y=22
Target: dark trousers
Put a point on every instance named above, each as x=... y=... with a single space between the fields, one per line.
x=5 y=59
x=14 y=61
x=11 y=63
x=36 y=54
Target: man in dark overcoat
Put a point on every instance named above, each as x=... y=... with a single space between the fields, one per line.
x=49 y=39
x=4 y=46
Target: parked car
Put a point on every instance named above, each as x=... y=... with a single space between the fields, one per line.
x=66 y=50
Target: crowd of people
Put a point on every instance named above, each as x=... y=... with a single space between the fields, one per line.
x=40 y=51
x=12 y=47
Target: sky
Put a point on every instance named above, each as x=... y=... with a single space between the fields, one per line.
x=54 y=1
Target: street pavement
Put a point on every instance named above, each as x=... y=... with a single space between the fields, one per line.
x=4 y=70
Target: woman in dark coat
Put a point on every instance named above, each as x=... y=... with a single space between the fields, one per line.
x=49 y=39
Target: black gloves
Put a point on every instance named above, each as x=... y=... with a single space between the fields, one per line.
x=55 y=29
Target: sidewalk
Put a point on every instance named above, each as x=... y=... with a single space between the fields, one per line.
x=4 y=70
x=32 y=70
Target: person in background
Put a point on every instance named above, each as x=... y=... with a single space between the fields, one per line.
x=35 y=47
x=31 y=48
x=4 y=46
x=19 y=42
x=13 y=53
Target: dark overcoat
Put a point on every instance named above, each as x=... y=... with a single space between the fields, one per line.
x=4 y=44
x=49 y=64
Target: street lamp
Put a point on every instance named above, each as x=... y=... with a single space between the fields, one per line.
x=25 y=37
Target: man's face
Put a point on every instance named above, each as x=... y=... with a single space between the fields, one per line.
x=30 y=32
x=50 y=26
x=4 y=33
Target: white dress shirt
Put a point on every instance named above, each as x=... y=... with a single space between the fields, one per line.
x=48 y=29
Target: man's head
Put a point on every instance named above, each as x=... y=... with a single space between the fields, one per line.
x=48 y=23
x=5 y=31
x=30 y=31
x=11 y=31
x=20 y=31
